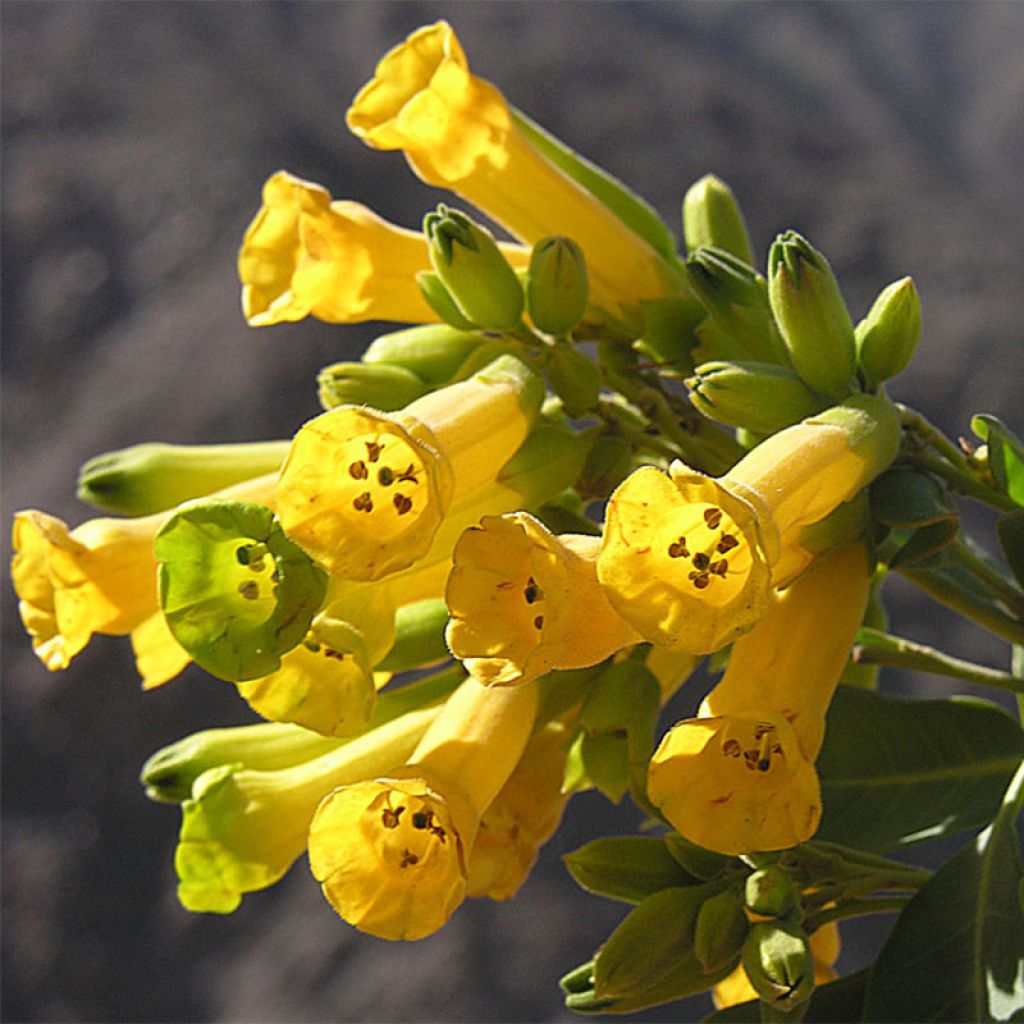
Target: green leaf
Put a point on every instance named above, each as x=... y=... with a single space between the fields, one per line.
x=1005 y=455
x=633 y=211
x=1010 y=529
x=235 y=591
x=696 y=860
x=628 y=868
x=910 y=498
x=957 y=950
x=895 y=772
x=838 y=1002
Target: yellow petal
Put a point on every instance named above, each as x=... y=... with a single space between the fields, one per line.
x=158 y=656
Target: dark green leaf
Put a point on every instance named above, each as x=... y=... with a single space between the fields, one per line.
x=957 y=950
x=907 y=496
x=895 y=771
x=696 y=860
x=1005 y=455
x=1010 y=528
x=838 y=1002
x=628 y=868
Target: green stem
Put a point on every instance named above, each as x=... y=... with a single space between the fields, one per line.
x=1009 y=593
x=931 y=435
x=872 y=861
x=907 y=654
x=856 y=908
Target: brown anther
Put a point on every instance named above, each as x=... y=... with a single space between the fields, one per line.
x=358 y=470
x=727 y=543
x=408 y=858
x=678 y=549
x=701 y=561
x=438 y=831
x=250 y=590
x=402 y=504
x=364 y=503
x=409 y=476
x=712 y=516
x=330 y=652
x=731 y=748
x=532 y=591
x=373 y=450
x=538 y=623
x=390 y=818
x=700 y=579
x=719 y=568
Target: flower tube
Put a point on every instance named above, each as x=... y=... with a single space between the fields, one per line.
x=740 y=778
x=391 y=854
x=690 y=560
x=525 y=601
x=458 y=132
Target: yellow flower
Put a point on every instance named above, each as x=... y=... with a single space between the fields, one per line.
x=97 y=578
x=524 y=601
x=522 y=817
x=735 y=988
x=458 y=132
x=740 y=778
x=689 y=560
x=391 y=854
x=364 y=492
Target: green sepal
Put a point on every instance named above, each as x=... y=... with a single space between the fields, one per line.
x=668 y=336
x=712 y=217
x=694 y=859
x=203 y=580
x=721 y=929
x=489 y=350
x=1010 y=530
x=634 y=212
x=627 y=868
x=597 y=762
x=913 y=499
x=574 y=377
x=380 y=385
x=779 y=964
x=433 y=352
x=1005 y=455
x=440 y=300
x=419 y=636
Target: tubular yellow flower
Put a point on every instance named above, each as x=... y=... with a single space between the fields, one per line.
x=735 y=988
x=391 y=854
x=522 y=818
x=524 y=601
x=458 y=132
x=690 y=560
x=740 y=778
x=364 y=492
x=97 y=578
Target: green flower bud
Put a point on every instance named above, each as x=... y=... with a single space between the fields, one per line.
x=778 y=961
x=608 y=463
x=556 y=285
x=887 y=337
x=380 y=386
x=770 y=892
x=432 y=351
x=235 y=591
x=439 y=299
x=470 y=265
x=419 y=636
x=573 y=376
x=711 y=217
x=721 y=929
x=811 y=315
x=762 y=397
x=147 y=478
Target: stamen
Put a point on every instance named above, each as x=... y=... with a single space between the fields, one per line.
x=390 y=818
x=409 y=476
x=712 y=516
x=330 y=652
x=719 y=568
x=408 y=858
x=678 y=549
x=373 y=450
x=731 y=748
x=538 y=623
x=532 y=592
x=250 y=590
x=402 y=503
x=358 y=470
x=727 y=543
x=700 y=579
x=364 y=503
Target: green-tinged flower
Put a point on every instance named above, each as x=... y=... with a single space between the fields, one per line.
x=556 y=285
x=242 y=828
x=811 y=315
x=235 y=591
x=433 y=352
x=689 y=560
x=712 y=218
x=364 y=492
x=379 y=385
x=148 y=478
x=887 y=337
x=762 y=397
x=470 y=265
x=391 y=853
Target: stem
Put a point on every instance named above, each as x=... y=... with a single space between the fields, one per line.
x=907 y=654
x=1010 y=594
x=869 y=860
x=856 y=908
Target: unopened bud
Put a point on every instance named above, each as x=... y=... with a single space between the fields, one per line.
x=887 y=337
x=472 y=268
x=761 y=397
x=770 y=892
x=574 y=377
x=439 y=299
x=811 y=315
x=779 y=963
x=147 y=478
x=712 y=217
x=556 y=285
x=380 y=386
x=432 y=351
x=721 y=928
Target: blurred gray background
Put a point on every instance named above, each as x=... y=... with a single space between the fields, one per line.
x=136 y=139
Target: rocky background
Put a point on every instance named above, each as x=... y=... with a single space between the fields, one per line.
x=136 y=139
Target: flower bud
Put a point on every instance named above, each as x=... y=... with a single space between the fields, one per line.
x=147 y=478
x=432 y=351
x=769 y=892
x=887 y=337
x=381 y=386
x=711 y=217
x=556 y=285
x=811 y=315
x=439 y=299
x=761 y=397
x=469 y=263
x=721 y=928
x=574 y=377
x=778 y=960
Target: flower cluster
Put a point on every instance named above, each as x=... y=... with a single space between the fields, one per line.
x=589 y=463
